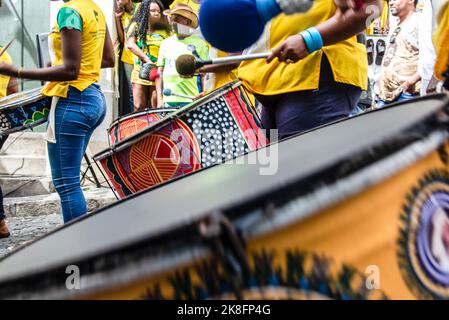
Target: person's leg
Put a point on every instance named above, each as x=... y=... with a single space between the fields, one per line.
x=128 y=69
x=101 y=113
x=153 y=96
x=74 y=119
x=141 y=97
x=302 y=111
x=267 y=106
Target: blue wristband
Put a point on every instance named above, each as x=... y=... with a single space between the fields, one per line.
x=268 y=9
x=313 y=39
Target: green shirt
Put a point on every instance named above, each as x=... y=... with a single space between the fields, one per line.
x=171 y=49
x=69 y=18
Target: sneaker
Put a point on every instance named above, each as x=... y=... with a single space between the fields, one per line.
x=4 y=232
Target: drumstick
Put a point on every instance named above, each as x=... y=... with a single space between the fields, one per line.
x=186 y=64
x=6 y=47
x=167 y=92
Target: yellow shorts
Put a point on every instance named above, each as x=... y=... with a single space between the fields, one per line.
x=135 y=77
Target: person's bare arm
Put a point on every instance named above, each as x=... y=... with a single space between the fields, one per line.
x=345 y=24
x=118 y=22
x=131 y=44
x=69 y=70
x=13 y=86
x=108 y=60
x=218 y=68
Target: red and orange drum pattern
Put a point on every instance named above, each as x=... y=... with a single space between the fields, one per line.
x=209 y=133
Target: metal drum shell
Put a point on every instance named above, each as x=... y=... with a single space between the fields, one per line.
x=132 y=165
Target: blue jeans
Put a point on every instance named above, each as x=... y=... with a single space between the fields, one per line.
x=296 y=112
x=402 y=97
x=128 y=69
x=76 y=118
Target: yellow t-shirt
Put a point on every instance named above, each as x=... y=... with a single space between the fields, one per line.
x=127 y=55
x=92 y=44
x=150 y=48
x=347 y=58
x=194 y=4
x=441 y=40
x=4 y=80
x=216 y=80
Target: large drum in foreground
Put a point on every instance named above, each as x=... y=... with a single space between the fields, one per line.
x=23 y=110
x=354 y=210
x=216 y=128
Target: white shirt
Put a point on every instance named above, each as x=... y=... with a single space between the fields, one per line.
x=427 y=55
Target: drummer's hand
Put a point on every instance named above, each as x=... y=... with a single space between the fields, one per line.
x=433 y=84
x=408 y=85
x=146 y=60
x=8 y=69
x=291 y=50
x=199 y=96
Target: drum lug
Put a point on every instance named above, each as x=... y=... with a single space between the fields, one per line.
x=229 y=247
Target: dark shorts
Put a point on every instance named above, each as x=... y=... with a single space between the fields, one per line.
x=296 y=112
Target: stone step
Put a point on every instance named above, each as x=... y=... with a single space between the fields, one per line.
x=25 y=186
x=25 y=143
x=50 y=204
x=25 y=165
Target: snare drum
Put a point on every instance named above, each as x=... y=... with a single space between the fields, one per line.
x=362 y=216
x=216 y=128
x=131 y=124
x=23 y=110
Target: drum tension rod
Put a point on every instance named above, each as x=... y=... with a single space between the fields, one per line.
x=221 y=235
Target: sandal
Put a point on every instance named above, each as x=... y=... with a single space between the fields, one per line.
x=370 y=51
x=380 y=51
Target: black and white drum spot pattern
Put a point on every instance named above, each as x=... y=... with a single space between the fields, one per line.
x=4 y=122
x=218 y=133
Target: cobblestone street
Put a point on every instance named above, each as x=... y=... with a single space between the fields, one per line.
x=27 y=228
x=32 y=217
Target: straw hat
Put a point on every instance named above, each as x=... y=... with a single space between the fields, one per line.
x=185 y=11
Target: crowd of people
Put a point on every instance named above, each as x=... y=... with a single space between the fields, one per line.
x=321 y=86
x=315 y=74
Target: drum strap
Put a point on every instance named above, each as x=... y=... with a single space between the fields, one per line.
x=229 y=248
x=51 y=136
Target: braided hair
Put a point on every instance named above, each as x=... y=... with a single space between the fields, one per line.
x=141 y=19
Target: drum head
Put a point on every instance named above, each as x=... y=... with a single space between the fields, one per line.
x=131 y=124
x=20 y=98
x=263 y=174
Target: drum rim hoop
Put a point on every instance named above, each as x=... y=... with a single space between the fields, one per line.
x=121 y=145
x=35 y=95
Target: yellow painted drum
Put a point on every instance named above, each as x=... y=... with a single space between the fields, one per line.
x=358 y=209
